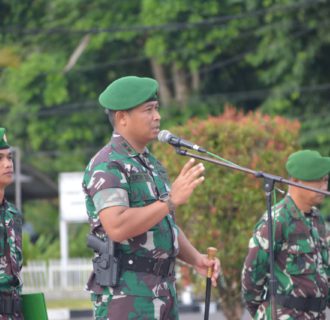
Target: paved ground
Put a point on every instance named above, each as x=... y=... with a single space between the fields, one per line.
x=190 y=312
x=219 y=316
x=200 y=316
x=213 y=316
x=192 y=316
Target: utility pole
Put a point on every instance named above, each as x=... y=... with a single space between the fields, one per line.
x=18 y=178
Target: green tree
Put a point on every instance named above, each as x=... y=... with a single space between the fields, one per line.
x=292 y=61
x=53 y=67
x=50 y=93
x=224 y=209
x=192 y=40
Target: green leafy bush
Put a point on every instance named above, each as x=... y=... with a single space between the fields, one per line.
x=44 y=248
x=224 y=209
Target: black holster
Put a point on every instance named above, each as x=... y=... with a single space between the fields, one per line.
x=106 y=263
x=106 y=269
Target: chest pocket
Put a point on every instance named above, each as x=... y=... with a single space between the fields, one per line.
x=142 y=189
x=302 y=255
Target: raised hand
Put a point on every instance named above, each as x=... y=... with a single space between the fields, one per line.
x=188 y=179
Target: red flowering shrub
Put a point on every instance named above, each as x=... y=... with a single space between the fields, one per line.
x=224 y=209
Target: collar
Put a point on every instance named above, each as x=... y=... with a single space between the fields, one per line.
x=122 y=146
x=4 y=203
x=296 y=212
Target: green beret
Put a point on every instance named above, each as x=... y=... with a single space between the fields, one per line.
x=307 y=165
x=3 y=140
x=128 y=92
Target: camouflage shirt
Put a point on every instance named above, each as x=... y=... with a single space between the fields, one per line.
x=302 y=266
x=10 y=248
x=119 y=176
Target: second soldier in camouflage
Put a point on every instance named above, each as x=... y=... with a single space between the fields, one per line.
x=301 y=251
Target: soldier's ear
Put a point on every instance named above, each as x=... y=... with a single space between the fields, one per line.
x=121 y=118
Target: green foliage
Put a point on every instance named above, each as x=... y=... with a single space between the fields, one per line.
x=224 y=209
x=45 y=248
x=197 y=108
x=77 y=240
x=192 y=36
x=54 y=114
x=292 y=60
x=43 y=215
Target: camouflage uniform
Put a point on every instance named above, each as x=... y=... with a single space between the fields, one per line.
x=302 y=266
x=10 y=255
x=119 y=176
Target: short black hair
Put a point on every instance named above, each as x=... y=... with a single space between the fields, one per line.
x=111 y=116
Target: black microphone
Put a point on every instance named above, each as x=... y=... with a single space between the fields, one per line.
x=166 y=136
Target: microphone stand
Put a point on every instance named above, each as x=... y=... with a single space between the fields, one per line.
x=269 y=182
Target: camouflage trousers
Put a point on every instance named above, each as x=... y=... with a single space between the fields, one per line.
x=135 y=308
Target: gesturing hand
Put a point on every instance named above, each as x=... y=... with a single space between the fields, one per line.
x=188 y=179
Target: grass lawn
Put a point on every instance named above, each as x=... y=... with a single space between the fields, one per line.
x=75 y=304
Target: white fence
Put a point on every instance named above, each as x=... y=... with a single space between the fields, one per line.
x=43 y=276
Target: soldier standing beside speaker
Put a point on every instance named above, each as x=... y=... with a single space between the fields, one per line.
x=301 y=251
x=10 y=240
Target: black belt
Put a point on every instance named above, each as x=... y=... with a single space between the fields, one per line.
x=302 y=304
x=159 y=267
x=10 y=304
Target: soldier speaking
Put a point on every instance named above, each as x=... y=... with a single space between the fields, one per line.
x=131 y=208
